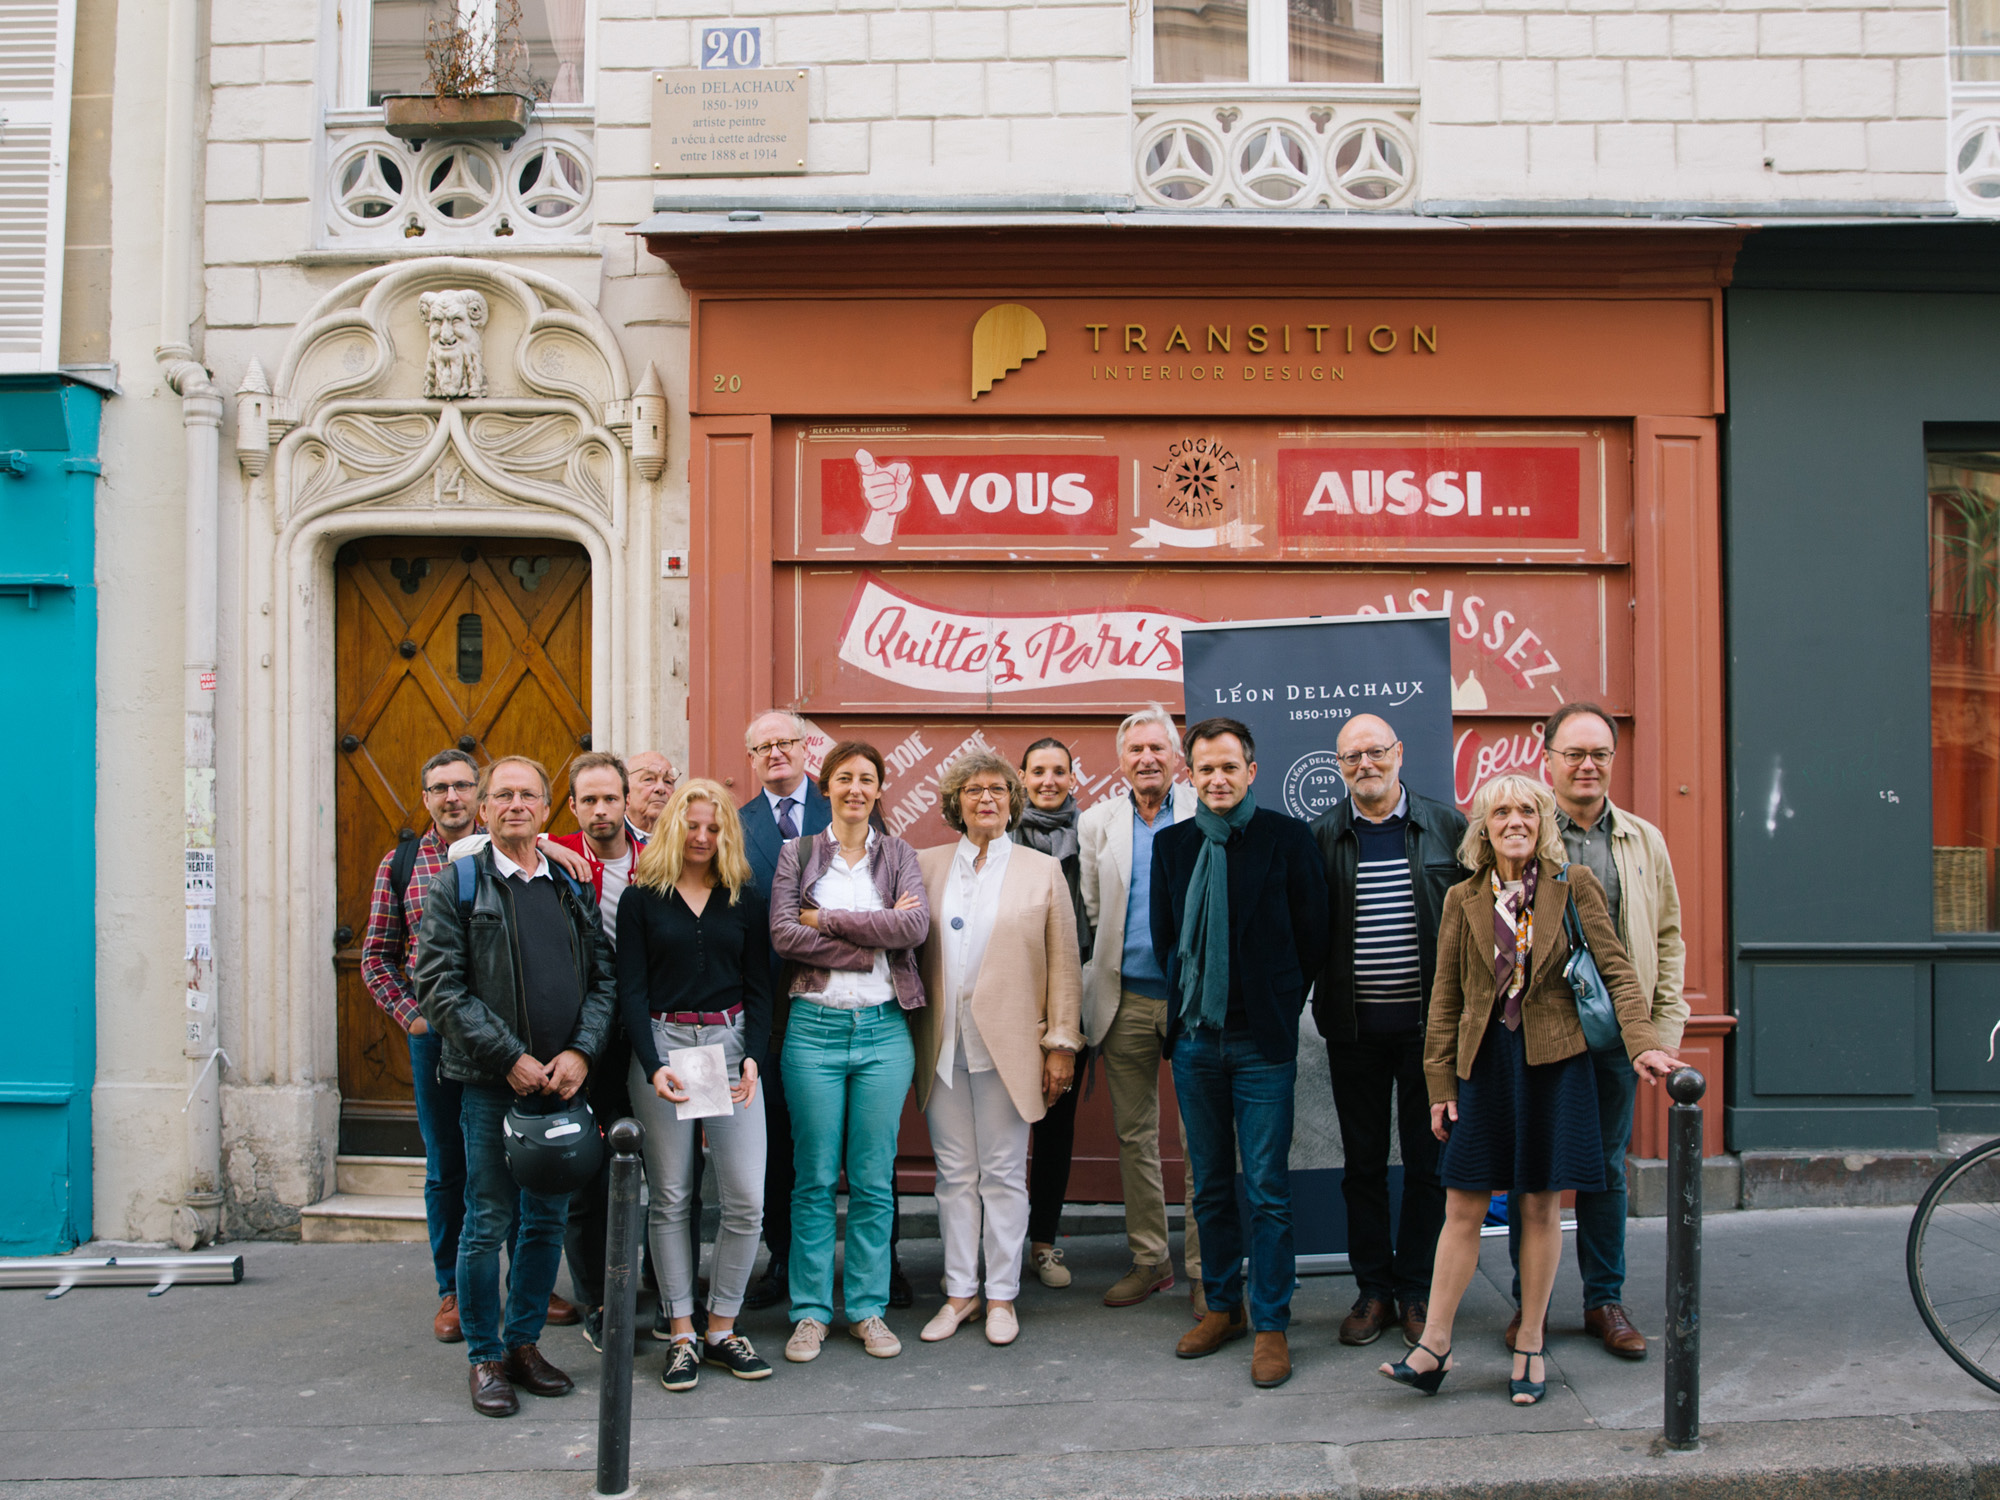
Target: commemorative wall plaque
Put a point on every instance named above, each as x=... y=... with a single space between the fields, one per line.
x=729 y=122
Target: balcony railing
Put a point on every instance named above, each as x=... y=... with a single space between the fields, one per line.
x=1226 y=150
x=380 y=193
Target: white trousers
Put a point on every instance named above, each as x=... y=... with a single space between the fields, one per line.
x=980 y=1143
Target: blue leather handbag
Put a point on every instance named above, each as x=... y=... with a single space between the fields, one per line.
x=1594 y=1009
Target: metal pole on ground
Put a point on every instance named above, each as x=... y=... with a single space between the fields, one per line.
x=621 y=1293
x=1683 y=1425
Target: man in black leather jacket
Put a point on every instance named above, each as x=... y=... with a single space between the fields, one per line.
x=1390 y=857
x=518 y=984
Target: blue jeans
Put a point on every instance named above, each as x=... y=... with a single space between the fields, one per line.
x=1233 y=1098
x=846 y=1072
x=492 y=1196
x=1600 y=1217
x=438 y=1101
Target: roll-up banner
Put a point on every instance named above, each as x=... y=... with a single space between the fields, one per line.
x=1297 y=684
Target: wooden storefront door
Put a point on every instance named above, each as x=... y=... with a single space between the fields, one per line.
x=479 y=642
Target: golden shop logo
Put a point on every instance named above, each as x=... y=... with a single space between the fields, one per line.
x=1005 y=338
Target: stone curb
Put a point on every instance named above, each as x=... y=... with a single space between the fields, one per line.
x=1931 y=1456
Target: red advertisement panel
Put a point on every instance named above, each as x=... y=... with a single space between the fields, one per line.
x=880 y=496
x=1429 y=492
x=1106 y=638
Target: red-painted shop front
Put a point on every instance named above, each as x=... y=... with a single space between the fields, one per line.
x=956 y=487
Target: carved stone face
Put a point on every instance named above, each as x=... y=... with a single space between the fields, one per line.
x=455 y=364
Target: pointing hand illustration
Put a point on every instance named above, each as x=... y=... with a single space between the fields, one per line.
x=886 y=488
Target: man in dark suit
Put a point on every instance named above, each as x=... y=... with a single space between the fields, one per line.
x=1239 y=913
x=786 y=805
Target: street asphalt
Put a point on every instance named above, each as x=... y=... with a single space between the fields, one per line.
x=318 y=1377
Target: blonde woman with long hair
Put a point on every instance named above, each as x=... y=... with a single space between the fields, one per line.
x=694 y=970
x=1512 y=1086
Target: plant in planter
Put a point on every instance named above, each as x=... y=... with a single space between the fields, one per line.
x=478 y=78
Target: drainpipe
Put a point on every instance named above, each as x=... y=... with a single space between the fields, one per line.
x=198 y=1220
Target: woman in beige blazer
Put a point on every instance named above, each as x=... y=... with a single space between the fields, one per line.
x=997 y=1044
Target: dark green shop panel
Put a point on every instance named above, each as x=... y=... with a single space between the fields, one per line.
x=1965 y=1025
x=1835 y=1028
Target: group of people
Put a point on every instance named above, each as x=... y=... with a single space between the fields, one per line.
x=836 y=967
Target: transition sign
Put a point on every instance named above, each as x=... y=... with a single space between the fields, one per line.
x=1297 y=683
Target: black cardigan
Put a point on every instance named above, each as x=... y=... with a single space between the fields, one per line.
x=669 y=959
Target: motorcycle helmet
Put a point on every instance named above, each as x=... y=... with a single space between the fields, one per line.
x=554 y=1153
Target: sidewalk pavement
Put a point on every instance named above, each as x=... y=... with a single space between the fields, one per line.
x=318 y=1379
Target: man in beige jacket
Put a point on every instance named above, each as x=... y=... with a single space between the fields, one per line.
x=1629 y=858
x=1125 y=990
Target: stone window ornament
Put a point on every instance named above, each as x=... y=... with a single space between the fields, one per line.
x=455 y=364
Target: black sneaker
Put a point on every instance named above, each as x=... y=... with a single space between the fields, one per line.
x=736 y=1356
x=683 y=1366
x=592 y=1327
x=663 y=1328
x=900 y=1292
x=769 y=1289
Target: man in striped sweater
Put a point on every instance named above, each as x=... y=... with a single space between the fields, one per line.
x=1390 y=857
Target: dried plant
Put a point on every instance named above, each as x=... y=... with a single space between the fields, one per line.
x=468 y=52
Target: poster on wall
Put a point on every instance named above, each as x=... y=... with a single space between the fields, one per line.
x=1297 y=683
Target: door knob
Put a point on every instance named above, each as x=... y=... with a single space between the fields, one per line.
x=467 y=743
x=350 y=743
x=342 y=935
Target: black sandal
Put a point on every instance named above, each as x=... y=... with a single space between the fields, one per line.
x=1534 y=1390
x=1426 y=1381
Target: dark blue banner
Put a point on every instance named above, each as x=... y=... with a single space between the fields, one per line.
x=1296 y=683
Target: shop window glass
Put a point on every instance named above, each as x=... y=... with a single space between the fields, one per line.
x=1975 y=41
x=1965 y=687
x=548 y=63
x=1336 y=41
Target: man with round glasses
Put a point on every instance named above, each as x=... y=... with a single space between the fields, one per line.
x=1629 y=858
x=1391 y=855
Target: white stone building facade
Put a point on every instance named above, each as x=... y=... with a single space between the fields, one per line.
x=256 y=212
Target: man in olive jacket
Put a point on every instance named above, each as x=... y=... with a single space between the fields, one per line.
x=1390 y=857
x=515 y=977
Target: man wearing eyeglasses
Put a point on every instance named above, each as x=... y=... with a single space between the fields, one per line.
x=1391 y=855
x=786 y=806
x=395 y=911
x=1629 y=858
x=651 y=777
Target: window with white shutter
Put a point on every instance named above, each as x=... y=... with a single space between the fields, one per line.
x=36 y=37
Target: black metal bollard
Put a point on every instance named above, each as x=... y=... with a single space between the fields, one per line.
x=1683 y=1426
x=621 y=1295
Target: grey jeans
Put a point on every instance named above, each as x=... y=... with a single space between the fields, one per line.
x=673 y=1157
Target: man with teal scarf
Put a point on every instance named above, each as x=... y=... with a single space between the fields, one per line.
x=1239 y=910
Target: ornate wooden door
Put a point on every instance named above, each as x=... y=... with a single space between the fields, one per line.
x=479 y=642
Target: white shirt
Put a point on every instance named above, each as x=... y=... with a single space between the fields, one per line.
x=508 y=868
x=617 y=875
x=852 y=888
x=970 y=907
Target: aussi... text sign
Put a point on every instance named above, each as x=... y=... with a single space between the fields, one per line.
x=1416 y=492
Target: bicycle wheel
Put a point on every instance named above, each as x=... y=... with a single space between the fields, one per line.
x=1953 y=1259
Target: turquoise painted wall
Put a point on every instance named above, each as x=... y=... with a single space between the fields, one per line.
x=48 y=758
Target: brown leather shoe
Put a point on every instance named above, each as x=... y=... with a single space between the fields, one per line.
x=527 y=1368
x=1212 y=1332
x=1270 y=1361
x=1366 y=1321
x=1613 y=1324
x=563 y=1313
x=492 y=1396
x=1139 y=1283
x=1514 y=1329
x=445 y=1324
x=1415 y=1315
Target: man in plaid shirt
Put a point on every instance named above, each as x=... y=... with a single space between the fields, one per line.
x=450 y=787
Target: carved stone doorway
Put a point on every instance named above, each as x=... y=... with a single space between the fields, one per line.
x=478 y=642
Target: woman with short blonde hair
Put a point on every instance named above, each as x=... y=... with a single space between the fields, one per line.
x=1512 y=1085
x=694 y=970
x=997 y=1044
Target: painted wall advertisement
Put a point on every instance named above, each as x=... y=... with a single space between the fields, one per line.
x=1297 y=683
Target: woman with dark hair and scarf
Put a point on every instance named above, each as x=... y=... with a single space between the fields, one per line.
x=1048 y=823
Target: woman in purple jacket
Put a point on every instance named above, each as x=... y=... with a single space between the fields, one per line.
x=848 y=910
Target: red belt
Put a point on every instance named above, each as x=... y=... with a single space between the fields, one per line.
x=698 y=1017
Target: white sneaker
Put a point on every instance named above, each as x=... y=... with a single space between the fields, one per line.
x=803 y=1346
x=875 y=1338
x=1050 y=1269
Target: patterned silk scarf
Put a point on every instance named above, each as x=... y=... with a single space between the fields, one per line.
x=1513 y=940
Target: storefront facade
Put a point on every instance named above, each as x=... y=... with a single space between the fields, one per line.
x=954 y=486
x=1864 y=700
